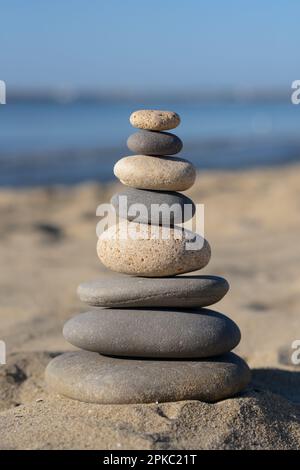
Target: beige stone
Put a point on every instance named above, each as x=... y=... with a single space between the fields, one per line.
x=151 y=251
x=154 y=119
x=158 y=173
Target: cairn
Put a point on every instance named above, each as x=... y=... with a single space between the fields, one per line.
x=149 y=337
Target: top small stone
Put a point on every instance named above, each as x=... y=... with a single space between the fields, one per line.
x=154 y=120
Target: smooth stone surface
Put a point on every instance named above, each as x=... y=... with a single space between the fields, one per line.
x=153 y=333
x=176 y=292
x=151 y=250
x=174 y=208
x=154 y=119
x=154 y=143
x=91 y=377
x=158 y=173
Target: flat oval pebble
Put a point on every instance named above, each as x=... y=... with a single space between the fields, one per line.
x=154 y=119
x=179 y=291
x=153 y=333
x=152 y=250
x=93 y=378
x=154 y=143
x=159 y=173
x=155 y=207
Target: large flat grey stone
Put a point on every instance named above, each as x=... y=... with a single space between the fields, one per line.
x=153 y=333
x=179 y=291
x=91 y=377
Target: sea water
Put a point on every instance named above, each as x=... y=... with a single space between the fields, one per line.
x=50 y=142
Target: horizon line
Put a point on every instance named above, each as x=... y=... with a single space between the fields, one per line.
x=69 y=95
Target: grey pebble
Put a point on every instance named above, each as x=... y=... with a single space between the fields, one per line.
x=155 y=207
x=153 y=333
x=154 y=143
x=179 y=291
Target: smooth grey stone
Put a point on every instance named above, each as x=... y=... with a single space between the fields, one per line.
x=154 y=143
x=175 y=207
x=91 y=377
x=176 y=292
x=153 y=333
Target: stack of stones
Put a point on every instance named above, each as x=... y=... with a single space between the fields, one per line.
x=148 y=337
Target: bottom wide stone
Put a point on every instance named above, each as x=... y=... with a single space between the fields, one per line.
x=91 y=377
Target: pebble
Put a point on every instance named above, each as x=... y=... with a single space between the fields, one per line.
x=180 y=291
x=154 y=119
x=155 y=207
x=153 y=333
x=91 y=377
x=154 y=143
x=159 y=173
x=152 y=250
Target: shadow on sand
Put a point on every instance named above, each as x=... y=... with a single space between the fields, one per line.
x=282 y=382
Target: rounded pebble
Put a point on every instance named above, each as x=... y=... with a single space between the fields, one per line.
x=158 y=173
x=154 y=119
x=154 y=143
x=152 y=250
x=155 y=207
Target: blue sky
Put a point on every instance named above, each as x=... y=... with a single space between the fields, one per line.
x=149 y=45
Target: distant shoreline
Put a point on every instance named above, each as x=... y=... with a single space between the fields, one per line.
x=85 y=167
x=69 y=142
x=67 y=95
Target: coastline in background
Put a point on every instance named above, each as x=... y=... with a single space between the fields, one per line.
x=66 y=139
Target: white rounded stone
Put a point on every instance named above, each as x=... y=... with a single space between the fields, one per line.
x=158 y=173
x=154 y=119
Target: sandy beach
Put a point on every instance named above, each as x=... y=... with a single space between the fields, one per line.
x=48 y=247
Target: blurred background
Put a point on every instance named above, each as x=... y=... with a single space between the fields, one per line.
x=75 y=71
